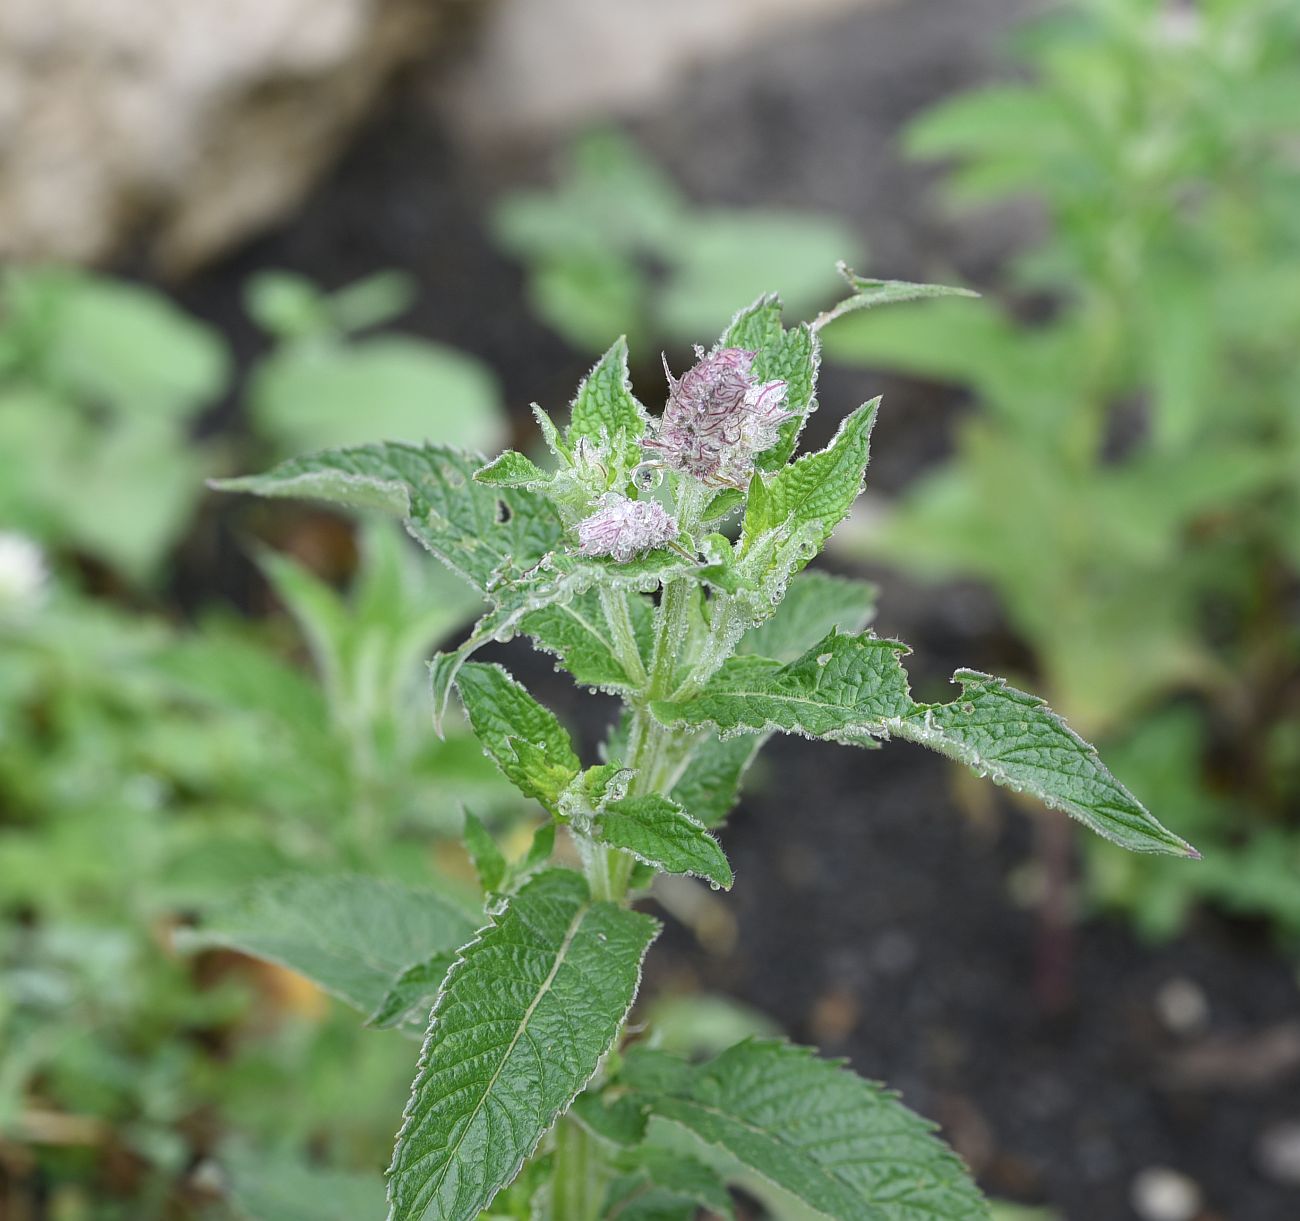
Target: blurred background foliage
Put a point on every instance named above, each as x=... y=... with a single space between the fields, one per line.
x=1124 y=477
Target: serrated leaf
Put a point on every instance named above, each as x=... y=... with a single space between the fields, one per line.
x=520 y=1026
x=853 y=689
x=526 y=739
x=410 y=996
x=578 y=633
x=792 y=356
x=840 y=1144
x=350 y=934
x=1017 y=740
x=814 y=603
x=837 y=686
x=660 y=833
x=470 y=527
x=817 y=491
x=512 y=470
x=489 y=863
x=605 y=407
x=711 y=786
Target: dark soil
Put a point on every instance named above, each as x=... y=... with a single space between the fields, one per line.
x=874 y=917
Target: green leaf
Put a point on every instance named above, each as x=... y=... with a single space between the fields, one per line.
x=513 y=470
x=792 y=356
x=410 y=996
x=470 y=527
x=661 y=1184
x=578 y=632
x=322 y=394
x=526 y=740
x=842 y=1145
x=814 y=603
x=817 y=491
x=605 y=408
x=838 y=686
x=269 y=1188
x=352 y=935
x=853 y=689
x=520 y=1026
x=711 y=786
x=869 y=293
x=1016 y=740
x=489 y=863
x=660 y=833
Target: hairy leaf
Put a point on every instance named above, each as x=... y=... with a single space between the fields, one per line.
x=818 y=489
x=842 y=1145
x=660 y=833
x=853 y=689
x=352 y=935
x=520 y=1026
x=578 y=633
x=839 y=685
x=605 y=405
x=469 y=526
x=869 y=293
x=526 y=740
x=1016 y=740
x=814 y=603
x=791 y=356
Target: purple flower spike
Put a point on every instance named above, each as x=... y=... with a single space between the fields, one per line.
x=719 y=418
x=624 y=528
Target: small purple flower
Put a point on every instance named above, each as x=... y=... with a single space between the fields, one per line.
x=624 y=528
x=719 y=417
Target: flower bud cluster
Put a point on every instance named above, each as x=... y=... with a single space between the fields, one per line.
x=719 y=418
x=625 y=528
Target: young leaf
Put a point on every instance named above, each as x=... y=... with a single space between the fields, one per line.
x=841 y=683
x=605 y=406
x=660 y=833
x=817 y=490
x=521 y=1024
x=869 y=293
x=512 y=470
x=352 y=935
x=526 y=740
x=842 y=1145
x=410 y=996
x=792 y=356
x=489 y=864
x=1017 y=740
x=815 y=603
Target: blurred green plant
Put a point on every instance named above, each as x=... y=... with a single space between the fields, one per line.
x=146 y=771
x=614 y=248
x=1129 y=480
x=322 y=386
x=100 y=381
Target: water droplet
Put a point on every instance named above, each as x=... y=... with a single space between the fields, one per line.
x=968 y=709
x=715 y=886
x=823 y=658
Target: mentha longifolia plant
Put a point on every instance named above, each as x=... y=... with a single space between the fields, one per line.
x=661 y=559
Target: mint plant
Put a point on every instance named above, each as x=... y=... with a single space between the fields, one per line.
x=662 y=560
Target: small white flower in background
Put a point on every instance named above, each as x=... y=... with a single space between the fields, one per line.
x=624 y=528
x=23 y=573
x=719 y=417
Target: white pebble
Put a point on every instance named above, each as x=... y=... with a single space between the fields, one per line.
x=1161 y=1194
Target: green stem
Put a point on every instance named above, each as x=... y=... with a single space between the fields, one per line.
x=614 y=603
x=579 y=1178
